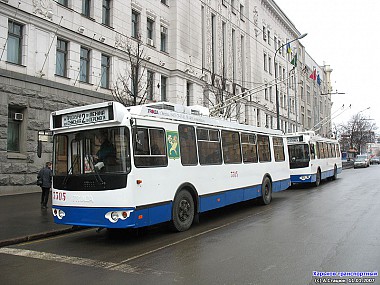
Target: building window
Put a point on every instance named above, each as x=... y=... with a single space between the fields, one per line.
x=163 y=88
x=135 y=24
x=233 y=6
x=270 y=64
x=269 y=37
x=150 y=31
x=271 y=94
x=86 y=6
x=61 y=58
x=15 y=117
x=164 y=39
x=63 y=2
x=189 y=94
x=264 y=33
x=234 y=54
x=134 y=81
x=106 y=13
x=14 y=45
x=241 y=12
x=84 y=65
x=224 y=48
x=275 y=43
x=265 y=62
x=105 y=68
x=213 y=43
x=149 y=85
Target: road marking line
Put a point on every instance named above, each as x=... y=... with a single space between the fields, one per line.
x=68 y=259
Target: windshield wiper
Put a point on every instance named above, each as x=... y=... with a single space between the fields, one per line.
x=69 y=171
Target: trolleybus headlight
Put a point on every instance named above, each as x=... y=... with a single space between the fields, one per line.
x=305 y=177
x=114 y=216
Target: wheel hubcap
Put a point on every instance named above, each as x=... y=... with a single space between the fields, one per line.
x=184 y=210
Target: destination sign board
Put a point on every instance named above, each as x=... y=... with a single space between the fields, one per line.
x=85 y=117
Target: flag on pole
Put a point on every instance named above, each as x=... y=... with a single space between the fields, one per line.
x=288 y=48
x=313 y=75
x=318 y=80
x=294 y=60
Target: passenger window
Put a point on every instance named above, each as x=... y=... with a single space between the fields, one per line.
x=231 y=147
x=249 y=146
x=149 y=147
x=209 y=146
x=264 y=148
x=278 y=147
x=312 y=151
x=187 y=145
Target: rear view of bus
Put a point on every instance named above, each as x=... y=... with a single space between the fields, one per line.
x=313 y=158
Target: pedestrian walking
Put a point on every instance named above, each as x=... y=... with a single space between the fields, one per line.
x=45 y=176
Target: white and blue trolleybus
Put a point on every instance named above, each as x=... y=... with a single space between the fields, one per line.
x=131 y=167
x=313 y=158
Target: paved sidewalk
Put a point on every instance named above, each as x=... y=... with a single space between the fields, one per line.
x=22 y=219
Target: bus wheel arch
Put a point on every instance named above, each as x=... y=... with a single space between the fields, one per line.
x=266 y=189
x=184 y=208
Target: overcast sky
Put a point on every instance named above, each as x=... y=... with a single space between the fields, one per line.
x=345 y=35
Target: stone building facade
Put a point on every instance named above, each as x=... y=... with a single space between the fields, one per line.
x=56 y=54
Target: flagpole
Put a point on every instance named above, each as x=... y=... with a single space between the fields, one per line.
x=275 y=77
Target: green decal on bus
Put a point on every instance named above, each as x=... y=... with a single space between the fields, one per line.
x=172 y=144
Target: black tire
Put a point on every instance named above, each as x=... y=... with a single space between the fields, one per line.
x=183 y=211
x=317 y=178
x=335 y=173
x=266 y=191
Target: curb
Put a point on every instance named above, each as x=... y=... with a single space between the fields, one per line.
x=17 y=240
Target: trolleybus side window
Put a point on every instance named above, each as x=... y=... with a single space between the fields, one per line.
x=264 y=148
x=149 y=147
x=231 y=147
x=278 y=147
x=188 y=145
x=209 y=146
x=60 y=158
x=337 y=150
x=249 y=146
x=321 y=153
x=312 y=151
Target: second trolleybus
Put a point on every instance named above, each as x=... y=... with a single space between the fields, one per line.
x=131 y=167
x=313 y=158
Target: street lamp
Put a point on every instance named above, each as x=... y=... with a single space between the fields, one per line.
x=275 y=77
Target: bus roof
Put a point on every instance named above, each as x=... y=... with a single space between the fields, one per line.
x=307 y=136
x=114 y=112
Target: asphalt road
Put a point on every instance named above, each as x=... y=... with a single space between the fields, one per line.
x=332 y=228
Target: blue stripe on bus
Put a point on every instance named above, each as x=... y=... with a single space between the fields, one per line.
x=155 y=214
x=221 y=199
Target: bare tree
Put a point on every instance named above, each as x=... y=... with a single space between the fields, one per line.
x=134 y=86
x=356 y=133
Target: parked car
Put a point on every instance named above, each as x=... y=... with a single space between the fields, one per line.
x=375 y=160
x=361 y=160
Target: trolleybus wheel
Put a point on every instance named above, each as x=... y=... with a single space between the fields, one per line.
x=266 y=191
x=183 y=211
x=318 y=178
x=335 y=173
